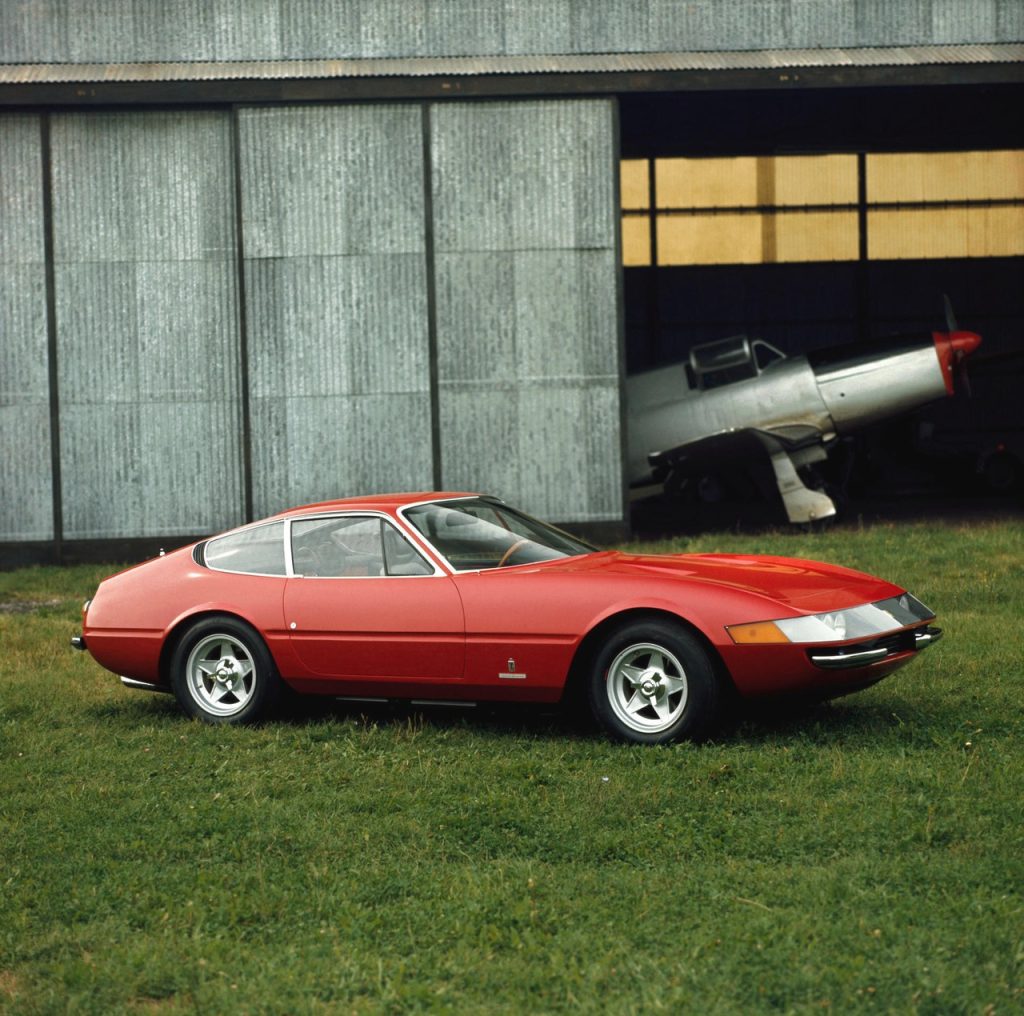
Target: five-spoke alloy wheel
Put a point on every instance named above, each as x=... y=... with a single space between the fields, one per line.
x=653 y=682
x=221 y=672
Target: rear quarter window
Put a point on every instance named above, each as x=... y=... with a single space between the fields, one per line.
x=258 y=551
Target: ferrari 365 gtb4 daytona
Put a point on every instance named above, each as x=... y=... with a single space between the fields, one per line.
x=461 y=598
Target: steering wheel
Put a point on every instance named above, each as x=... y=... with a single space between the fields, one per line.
x=511 y=550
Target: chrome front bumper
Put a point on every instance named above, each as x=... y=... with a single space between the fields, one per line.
x=876 y=650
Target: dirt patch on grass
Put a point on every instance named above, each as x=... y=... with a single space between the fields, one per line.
x=8 y=984
x=26 y=606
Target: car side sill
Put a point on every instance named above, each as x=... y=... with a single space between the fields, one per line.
x=400 y=701
x=130 y=682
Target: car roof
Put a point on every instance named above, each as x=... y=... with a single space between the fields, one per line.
x=380 y=502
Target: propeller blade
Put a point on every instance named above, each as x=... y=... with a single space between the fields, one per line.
x=963 y=379
x=950 y=319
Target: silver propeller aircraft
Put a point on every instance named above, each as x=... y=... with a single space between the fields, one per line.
x=738 y=400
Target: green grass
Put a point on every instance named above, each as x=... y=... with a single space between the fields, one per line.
x=866 y=855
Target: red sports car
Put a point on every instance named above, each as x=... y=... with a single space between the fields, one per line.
x=461 y=598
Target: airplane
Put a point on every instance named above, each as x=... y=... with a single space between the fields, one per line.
x=740 y=401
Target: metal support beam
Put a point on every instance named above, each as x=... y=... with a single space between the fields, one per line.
x=497 y=85
x=429 y=267
x=243 y=321
x=51 y=335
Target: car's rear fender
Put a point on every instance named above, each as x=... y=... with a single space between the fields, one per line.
x=277 y=644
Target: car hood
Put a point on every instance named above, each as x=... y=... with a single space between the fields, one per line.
x=804 y=586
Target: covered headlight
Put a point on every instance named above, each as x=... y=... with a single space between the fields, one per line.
x=866 y=621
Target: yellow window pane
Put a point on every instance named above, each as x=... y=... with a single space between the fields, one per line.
x=946 y=233
x=750 y=239
x=634 y=183
x=750 y=181
x=706 y=183
x=945 y=176
x=636 y=241
x=709 y=239
x=812 y=236
x=815 y=179
x=998 y=174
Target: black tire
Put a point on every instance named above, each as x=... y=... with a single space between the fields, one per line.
x=222 y=672
x=652 y=682
x=1002 y=473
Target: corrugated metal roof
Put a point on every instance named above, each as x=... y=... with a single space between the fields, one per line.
x=258 y=70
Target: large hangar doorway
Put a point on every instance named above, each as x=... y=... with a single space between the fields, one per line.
x=817 y=217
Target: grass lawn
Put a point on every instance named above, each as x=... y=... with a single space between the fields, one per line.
x=866 y=855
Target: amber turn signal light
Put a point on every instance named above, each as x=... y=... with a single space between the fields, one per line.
x=757 y=633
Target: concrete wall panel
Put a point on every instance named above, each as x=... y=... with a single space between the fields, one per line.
x=510 y=439
x=465 y=28
x=622 y=26
x=557 y=324
x=332 y=180
x=147 y=324
x=299 y=445
x=143 y=187
x=526 y=319
x=26 y=506
x=477 y=332
x=582 y=480
x=541 y=25
x=337 y=302
x=337 y=326
x=511 y=181
x=1009 y=20
x=950 y=19
x=177 y=30
x=334 y=28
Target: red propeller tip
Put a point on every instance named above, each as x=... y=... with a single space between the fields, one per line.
x=952 y=347
x=964 y=343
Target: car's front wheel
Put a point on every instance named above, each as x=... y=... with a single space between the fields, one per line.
x=652 y=682
x=222 y=672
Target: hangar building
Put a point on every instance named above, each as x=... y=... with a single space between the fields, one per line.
x=260 y=252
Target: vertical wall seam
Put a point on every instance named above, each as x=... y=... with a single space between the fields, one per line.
x=243 y=320
x=46 y=159
x=432 y=344
x=620 y=307
x=863 y=267
x=653 y=284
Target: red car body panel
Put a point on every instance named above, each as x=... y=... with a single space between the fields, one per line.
x=508 y=633
x=389 y=629
x=133 y=612
x=538 y=614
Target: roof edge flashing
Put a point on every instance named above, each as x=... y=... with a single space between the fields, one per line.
x=476 y=66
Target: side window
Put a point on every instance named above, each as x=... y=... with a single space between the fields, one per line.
x=353 y=546
x=349 y=546
x=400 y=557
x=258 y=551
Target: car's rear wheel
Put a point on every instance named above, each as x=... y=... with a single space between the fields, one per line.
x=222 y=672
x=653 y=682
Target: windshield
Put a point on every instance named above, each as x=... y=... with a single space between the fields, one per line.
x=477 y=533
